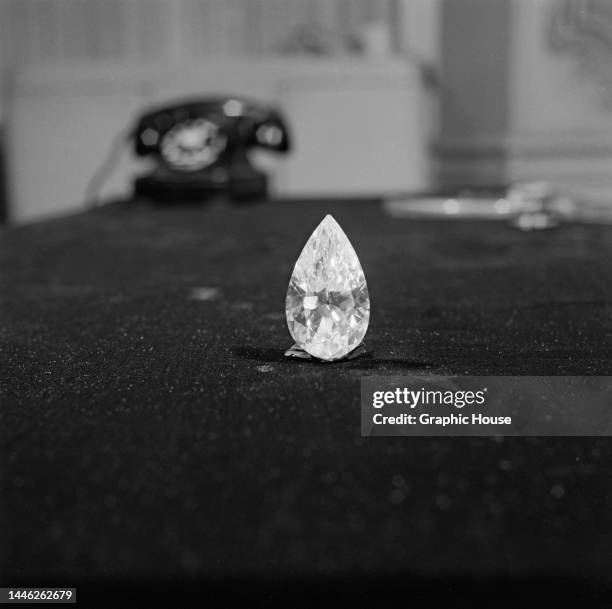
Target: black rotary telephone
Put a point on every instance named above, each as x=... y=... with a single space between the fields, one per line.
x=201 y=148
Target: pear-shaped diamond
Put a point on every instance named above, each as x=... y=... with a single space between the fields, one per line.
x=327 y=306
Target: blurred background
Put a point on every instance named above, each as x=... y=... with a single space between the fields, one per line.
x=380 y=96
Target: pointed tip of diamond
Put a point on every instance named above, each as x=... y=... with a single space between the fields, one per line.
x=330 y=224
x=329 y=219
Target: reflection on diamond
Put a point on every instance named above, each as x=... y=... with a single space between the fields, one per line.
x=327 y=306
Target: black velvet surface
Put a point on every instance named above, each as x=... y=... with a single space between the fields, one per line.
x=153 y=433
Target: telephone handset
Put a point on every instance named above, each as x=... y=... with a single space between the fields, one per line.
x=201 y=148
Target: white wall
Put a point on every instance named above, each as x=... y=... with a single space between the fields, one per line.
x=186 y=31
x=551 y=89
x=156 y=30
x=516 y=109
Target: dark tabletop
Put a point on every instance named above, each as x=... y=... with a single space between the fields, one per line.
x=153 y=431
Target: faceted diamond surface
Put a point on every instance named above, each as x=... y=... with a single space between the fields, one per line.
x=327 y=305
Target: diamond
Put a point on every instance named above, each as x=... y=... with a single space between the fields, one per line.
x=327 y=305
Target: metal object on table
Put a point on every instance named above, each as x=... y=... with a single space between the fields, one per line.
x=525 y=205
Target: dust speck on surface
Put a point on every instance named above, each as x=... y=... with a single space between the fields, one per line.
x=557 y=491
x=505 y=465
x=274 y=315
x=204 y=294
x=265 y=368
x=242 y=306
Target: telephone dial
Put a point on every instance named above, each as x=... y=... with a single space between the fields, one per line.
x=201 y=148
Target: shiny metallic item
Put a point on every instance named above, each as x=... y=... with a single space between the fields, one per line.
x=526 y=205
